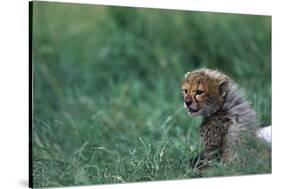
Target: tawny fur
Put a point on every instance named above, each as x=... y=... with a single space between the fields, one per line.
x=226 y=113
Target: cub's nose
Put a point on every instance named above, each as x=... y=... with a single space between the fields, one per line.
x=188 y=103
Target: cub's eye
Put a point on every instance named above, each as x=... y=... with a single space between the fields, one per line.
x=199 y=92
x=185 y=91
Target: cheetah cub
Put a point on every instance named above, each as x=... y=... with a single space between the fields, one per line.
x=225 y=112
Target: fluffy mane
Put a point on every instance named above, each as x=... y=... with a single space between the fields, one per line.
x=236 y=106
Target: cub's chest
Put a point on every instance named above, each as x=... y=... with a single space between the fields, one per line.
x=214 y=129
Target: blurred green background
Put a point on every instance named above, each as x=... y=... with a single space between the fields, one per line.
x=107 y=103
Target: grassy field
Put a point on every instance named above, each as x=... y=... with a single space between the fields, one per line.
x=107 y=105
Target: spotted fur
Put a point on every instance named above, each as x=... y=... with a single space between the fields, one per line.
x=225 y=112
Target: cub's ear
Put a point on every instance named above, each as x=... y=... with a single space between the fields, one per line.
x=186 y=75
x=223 y=86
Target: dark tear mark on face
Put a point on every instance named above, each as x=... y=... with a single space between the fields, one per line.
x=195 y=92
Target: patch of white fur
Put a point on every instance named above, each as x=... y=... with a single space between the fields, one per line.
x=264 y=133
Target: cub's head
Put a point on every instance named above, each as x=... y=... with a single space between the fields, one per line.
x=204 y=91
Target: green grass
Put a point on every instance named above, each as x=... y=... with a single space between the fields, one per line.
x=107 y=105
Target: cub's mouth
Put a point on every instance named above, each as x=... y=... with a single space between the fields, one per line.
x=191 y=110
